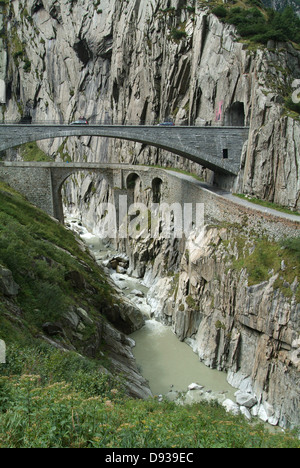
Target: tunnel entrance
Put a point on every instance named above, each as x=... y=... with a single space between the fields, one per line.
x=235 y=115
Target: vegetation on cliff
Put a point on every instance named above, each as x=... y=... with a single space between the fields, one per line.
x=260 y=25
x=53 y=270
x=53 y=398
x=56 y=415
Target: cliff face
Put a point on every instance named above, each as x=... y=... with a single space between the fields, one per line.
x=142 y=62
x=211 y=290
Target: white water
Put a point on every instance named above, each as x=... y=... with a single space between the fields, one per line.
x=164 y=361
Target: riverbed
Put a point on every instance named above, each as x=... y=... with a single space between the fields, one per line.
x=168 y=364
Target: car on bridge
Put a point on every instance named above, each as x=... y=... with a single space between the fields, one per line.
x=80 y=121
x=167 y=123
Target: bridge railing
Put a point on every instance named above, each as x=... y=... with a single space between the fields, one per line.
x=113 y=123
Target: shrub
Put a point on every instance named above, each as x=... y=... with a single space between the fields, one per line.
x=252 y=24
x=178 y=34
x=293 y=246
x=220 y=11
x=293 y=106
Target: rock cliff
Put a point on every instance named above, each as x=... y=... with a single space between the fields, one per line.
x=212 y=290
x=144 y=61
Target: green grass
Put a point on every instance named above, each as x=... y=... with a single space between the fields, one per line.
x=52 y=402
x=263 y=257
x=42 y=256
x=273 y=206
x=31 y=152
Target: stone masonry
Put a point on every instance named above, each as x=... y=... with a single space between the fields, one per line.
x=216 y=148
x=42 y=182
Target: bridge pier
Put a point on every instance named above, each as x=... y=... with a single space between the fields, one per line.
x=35 y=183
x=41 y=183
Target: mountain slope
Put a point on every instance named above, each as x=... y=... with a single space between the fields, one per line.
x=52 y=291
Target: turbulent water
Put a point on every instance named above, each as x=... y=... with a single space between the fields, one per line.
x=167 y=363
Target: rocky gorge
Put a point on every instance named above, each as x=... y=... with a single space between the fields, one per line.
x=127 y=62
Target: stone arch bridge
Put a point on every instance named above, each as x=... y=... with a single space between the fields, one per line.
x=216 y=148
x=41 y=182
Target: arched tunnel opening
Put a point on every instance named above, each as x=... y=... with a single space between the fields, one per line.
x=235 y=115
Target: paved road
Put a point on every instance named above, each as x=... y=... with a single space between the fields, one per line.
x=233 y=199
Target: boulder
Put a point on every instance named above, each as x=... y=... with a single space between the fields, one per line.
x=195 y=386
x=245 y=399
x=52 y=329
x=84 y=316
x=245 y=412
x=7 y=284
x=137 y=293
x=231 y=407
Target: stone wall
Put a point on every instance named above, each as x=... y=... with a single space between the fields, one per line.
x=34 y=183
x=219 y=209
x=41 y=183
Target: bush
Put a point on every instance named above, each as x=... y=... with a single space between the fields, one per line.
x=57 y=416
x=178 y=34
x=220 y=11
x=293 y=246
x=252 y=24
x=293 y=106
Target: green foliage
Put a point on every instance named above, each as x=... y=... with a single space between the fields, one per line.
x=220 y=11
x=265 y=258
x=178 y=34
x=33 y=415
x=41 y=253
x=260 y=26
x=52 y=366
x=293 y=106
x=31 y=152
x=273 y=206
x=293 y=247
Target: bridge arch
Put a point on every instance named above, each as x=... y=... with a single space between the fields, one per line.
x=156 y=189
x=203 y=145
x=60 y=176
x=132 y=179
x=134 y=186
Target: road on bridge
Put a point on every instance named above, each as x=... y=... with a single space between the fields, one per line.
x=216 y=148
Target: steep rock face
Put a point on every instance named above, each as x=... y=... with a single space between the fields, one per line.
x=250 y=331
x=144 y=61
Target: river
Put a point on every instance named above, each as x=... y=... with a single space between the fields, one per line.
x=168 y=364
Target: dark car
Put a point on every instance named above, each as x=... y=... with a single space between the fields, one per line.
x=80 y=121
x=166 y=124
x=26 y=120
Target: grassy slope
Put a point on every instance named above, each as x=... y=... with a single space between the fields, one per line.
x=50 y=398
x=41 y=254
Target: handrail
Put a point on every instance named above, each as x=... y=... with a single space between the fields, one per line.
x=111 y=124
